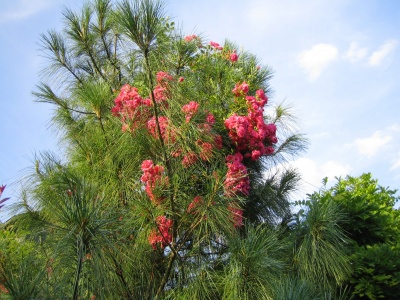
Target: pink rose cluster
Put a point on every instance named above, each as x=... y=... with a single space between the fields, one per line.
x=204 y=148
x=190 y=38
x=236 y=183
x=250 y=135
x=237 y=215
x=153 y=178
x=237 y=180
x=130 y=106
x=166 y=133
x=233 y=57
x=190 y=109
x=135 y=111
x=162 y=236
x=216 y=46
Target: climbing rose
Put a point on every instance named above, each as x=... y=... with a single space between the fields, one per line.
x=210 y=119
x=237 y=215
x=233 y=57
x=215 y=45
x=250 y=135
x=190 y=109
x=189 y=159
x=189 y=38
x=163 y=77
x=161 y=236
x=241 y=89
x=153 y=177
x=131 y=108
x=206 y=150
x=165 y=133
x=237 y=181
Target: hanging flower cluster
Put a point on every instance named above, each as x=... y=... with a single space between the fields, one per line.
x=190 y=38
x=251 y=138
x=131 y=107
x=237 y=181
x=166 y=133
x=190 y=109
x=215 y=45
x=237 y=215
x=250 y=135
x=233 y=57
x=153 y=178
x=135 y=111
x=204 y=148
x=162 y=236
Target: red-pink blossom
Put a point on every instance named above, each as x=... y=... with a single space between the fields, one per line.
x=215 y=45
x=250 y=134
x=163 y=122
x=181 y=79
x=237 y=215
x=131 y=108
x=233 y=57
x=236 y=181
x=218 y=141
x=241 y=89
x=189 y=159
x=206 y=150
x=160 y=93
x=147 y=165
x=210 y=119
x=153 y=178
x=189 y=38
x=162 y=236
x=163 y=77
x=190 y=109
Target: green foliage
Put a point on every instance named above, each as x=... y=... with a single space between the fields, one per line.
x=376 y=271
x=373 y=225
x=320 y=245
x=90 y=226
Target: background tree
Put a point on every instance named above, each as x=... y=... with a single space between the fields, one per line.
x=373 y=224
x=161 y=192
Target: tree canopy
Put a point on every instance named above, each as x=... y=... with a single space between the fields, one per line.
x=165 y=187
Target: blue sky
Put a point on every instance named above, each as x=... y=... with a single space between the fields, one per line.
x=336 y=62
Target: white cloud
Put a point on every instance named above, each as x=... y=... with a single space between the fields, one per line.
x=316 y=59
x=313 y=172
x=371 y=145
x=378 y=57
x=21 y=9
x=394 y=127
x=356 y=53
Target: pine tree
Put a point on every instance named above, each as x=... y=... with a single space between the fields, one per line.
x=164 y=188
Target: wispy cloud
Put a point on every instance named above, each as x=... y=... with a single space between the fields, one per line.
x=355 y=52
x=378 y=57
x=316 y=59
x=395 y=163
x=20 y=9
x=312 y=172
x=371 y=145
